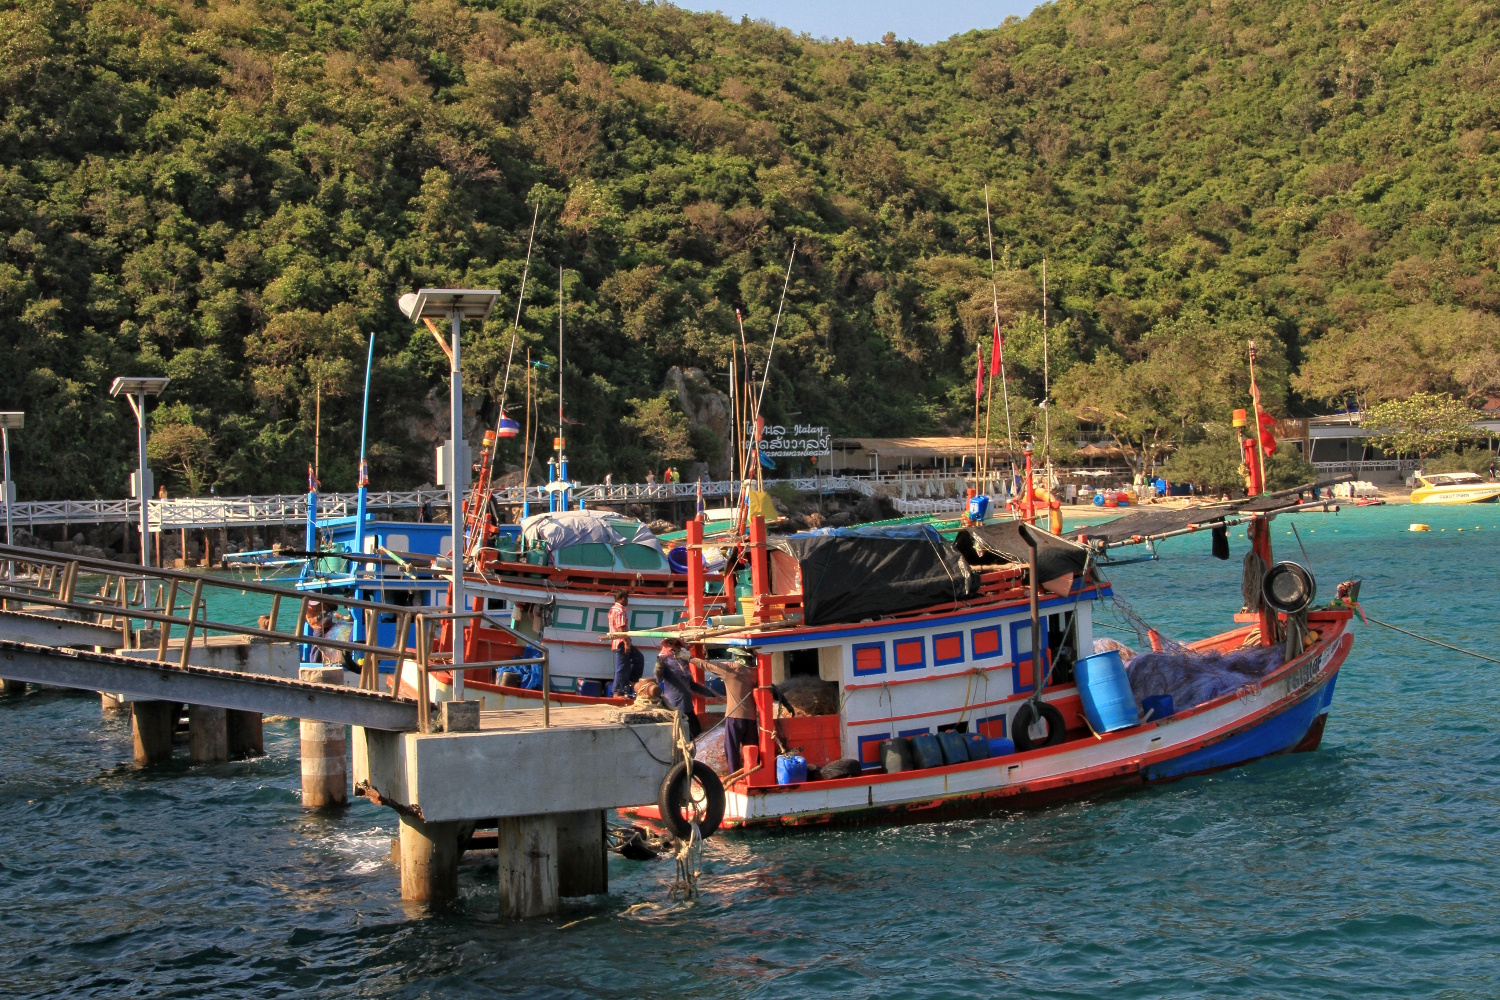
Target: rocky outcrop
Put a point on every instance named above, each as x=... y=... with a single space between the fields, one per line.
x=705 y=407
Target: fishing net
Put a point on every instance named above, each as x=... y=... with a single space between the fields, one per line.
x=1189 y=676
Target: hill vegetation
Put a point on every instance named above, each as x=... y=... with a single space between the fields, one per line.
x=234 y=194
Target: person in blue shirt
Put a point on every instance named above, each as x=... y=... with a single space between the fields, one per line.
x=677 y=684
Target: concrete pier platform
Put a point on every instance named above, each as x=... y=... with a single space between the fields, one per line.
x=547 y=789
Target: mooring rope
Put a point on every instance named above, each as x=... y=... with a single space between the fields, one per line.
x=1424 y=638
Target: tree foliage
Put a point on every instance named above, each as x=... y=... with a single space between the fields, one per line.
x=234 y=195
x=1422 y=424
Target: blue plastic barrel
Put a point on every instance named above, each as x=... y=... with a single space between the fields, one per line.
x=1001 y=746
x=791 y=769
x=1104 y=689
x=979 y=505
x=925 y=751
x=590 y=689
x=954 y=746
x=979 y=746
x=1157 y=706
x=677 y=559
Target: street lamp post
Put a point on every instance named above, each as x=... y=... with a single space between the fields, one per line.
x=9 y=422
x=135 y=390
x=456 y=305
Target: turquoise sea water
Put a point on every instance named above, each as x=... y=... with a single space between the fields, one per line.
x=1365 y=869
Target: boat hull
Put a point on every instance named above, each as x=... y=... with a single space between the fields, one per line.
x=1443 y=495
x=1284 y=712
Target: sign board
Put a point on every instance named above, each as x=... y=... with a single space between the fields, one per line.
x=796 y=441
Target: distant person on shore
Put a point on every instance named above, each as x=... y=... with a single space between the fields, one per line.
x=630 y=662
x=609 y=479
x=650 y=478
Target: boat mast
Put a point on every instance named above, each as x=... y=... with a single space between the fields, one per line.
x=1010 y=438
x=562 y=458
x=363 y=482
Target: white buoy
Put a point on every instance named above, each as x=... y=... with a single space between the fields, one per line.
x=1419 y=527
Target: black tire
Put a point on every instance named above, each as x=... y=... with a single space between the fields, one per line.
x=682 y=800
x=1020 y=727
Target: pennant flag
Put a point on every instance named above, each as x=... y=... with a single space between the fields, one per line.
x=1267 y=433
x=997 y=347
x=979 y=373
x=312 y=480
x=364 y=474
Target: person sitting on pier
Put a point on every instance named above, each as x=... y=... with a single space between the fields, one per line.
x=677 y=684
x=630 y=662
x=318 y=623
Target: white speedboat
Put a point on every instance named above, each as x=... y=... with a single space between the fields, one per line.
x=1453 y=487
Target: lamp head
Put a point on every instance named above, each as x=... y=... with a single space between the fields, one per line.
x=150 y=385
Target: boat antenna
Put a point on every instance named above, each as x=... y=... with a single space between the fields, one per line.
x=1046 y=385
x=515 y=328
x=776 y=328
x=989 y=231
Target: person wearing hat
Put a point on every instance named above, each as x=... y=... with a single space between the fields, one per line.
x=317 y=622
x=630 y=662
x=677 y=684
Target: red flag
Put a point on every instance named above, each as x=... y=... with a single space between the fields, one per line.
x=979 y=373
x=1267 y=433
x=997 y=345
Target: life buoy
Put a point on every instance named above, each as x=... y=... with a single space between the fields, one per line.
x=1020 y=726
x=682 y=800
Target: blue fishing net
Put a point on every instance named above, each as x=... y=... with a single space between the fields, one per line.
x=1192 y=678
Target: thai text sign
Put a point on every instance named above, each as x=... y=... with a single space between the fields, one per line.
x=796 y=441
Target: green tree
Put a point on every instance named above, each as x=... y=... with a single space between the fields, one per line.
x=662 y=429
x=1423 y=424
x=179 y=446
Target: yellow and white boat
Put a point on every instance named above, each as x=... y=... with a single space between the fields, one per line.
x=1453 y=487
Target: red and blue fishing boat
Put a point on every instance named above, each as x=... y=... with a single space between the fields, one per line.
x=965 y=677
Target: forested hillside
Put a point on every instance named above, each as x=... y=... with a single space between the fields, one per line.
x=234 y=194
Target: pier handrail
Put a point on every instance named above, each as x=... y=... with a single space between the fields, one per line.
x=123 y=595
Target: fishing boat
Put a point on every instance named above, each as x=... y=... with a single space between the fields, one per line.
x=948 y=654
x=1453 y=487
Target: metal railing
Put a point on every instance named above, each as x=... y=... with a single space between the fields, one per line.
x=116 y=597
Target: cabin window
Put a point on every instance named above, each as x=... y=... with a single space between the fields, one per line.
x=446 y=545
x=802 y=663
x=398 y=543
x=955 y=727
x=494 y=604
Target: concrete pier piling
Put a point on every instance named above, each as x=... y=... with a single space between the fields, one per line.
x=325 y=771
x=208 y=734
x=548 y=799
x=13 y=687
x=151 y=725
x=429 y=860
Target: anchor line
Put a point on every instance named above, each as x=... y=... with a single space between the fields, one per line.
x=1424 y=638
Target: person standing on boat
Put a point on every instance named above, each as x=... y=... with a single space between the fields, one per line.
x=739 y=707
x=677 y=684
x=630 y=662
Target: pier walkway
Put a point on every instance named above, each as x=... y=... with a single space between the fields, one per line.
x=543 y=778
x=911 y=494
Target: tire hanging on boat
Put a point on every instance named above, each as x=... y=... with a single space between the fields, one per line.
x=1020 y=726
x=681 y=800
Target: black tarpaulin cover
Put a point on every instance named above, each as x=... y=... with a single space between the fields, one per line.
x=1055 y=557
x=851 y=579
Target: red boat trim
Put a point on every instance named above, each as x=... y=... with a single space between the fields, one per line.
x=1338 y=642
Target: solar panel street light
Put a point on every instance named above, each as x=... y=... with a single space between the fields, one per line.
x=10 y=421
x=427 y=305
x=135 y=389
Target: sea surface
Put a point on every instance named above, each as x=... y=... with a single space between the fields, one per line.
x=1365 y=869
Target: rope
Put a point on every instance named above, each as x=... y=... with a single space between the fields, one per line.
x=1466 y=652
x=1253 y=573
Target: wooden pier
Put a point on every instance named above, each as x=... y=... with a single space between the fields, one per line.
x=543 y=778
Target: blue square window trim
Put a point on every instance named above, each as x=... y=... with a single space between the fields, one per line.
x=999 y=649
x=866 y=671
x=939 y=661
x=920 y=643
